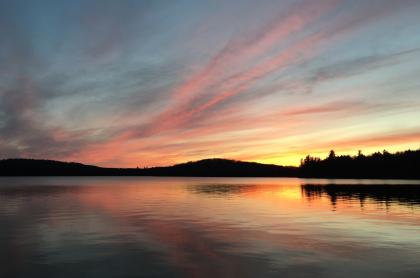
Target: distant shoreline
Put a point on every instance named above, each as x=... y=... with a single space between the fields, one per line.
x=248 y=177
x=401 y=165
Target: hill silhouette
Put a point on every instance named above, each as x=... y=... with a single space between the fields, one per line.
x=400 y=165
x=41 y=167
x=217 y=167
x=206 y=167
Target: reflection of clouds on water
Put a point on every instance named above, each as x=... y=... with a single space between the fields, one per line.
x=388 y=194
x=42 y=190
x=200 y=227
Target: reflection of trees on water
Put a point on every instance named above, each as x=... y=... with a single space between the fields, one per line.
x=388 y=194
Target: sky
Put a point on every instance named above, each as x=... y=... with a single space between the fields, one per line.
x=148 y=83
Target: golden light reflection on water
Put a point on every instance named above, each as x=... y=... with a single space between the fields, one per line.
x=207 y=227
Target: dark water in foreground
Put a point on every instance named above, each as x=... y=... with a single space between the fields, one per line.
x=208 y=227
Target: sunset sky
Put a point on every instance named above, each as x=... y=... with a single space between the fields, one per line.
x=146 y=83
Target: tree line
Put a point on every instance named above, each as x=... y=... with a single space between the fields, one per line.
x=384 y=164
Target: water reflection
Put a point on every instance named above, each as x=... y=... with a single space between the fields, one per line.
x=41 y=190
x=221 y=190
x=404 y=194
x=206 y=227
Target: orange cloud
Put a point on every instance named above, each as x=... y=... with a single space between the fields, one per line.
x=216 y=78
x=240 y=51
x=382 y=140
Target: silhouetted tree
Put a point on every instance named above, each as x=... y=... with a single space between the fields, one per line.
x=377 y=165
x=331 y=154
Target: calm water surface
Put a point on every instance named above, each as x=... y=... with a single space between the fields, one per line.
x=208 y=227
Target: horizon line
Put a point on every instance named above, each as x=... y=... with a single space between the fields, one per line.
x=210 y=158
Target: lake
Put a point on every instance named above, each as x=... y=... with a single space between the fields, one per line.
x=208 y=227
